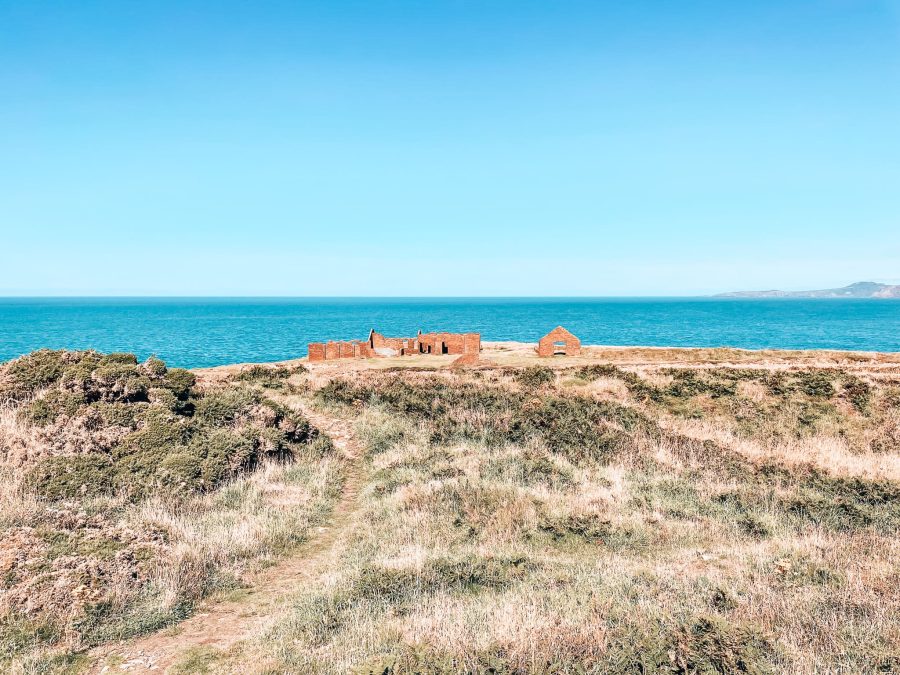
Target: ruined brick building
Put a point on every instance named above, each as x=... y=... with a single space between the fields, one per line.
x=559 y=341
x=379 y=345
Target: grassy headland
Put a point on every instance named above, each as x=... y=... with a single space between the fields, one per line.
x=671 y=511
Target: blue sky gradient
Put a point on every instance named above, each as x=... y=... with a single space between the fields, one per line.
x=447 y=148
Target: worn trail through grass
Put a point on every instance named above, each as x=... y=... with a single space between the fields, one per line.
x=220 y=625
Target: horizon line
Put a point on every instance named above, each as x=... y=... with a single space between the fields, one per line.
x=713 y=296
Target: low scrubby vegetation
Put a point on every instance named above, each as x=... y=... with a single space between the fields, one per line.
x=680 y=518
x=114 y=426
x=128 y=493
x=609 y=531
x=271 y=377
x=464 y=410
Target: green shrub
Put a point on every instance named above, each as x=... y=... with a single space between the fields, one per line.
x=268 y=376
x=177 y=453
x=164 y=398
x=119 y=358
x=88 y=475
x=53 y=405
x=179 y=381
x=713 y=645
x=179 y=470
x=118 y=382
x=859 y=393
x=221 y=454
x=815 y=383
x=30 y=373
x=578 y=427
x=534 y=376
x=161 y=430
x=598 y=370
x=155 y=367
x=224 y=406
x=320 y=445
x=120 y=414
x=688 y=382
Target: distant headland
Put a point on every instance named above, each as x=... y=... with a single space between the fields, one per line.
x=861 y=289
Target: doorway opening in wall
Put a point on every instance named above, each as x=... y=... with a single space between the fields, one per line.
x=559 y=348
x=444 y=348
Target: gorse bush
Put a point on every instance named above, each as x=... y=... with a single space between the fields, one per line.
x=171 y=437
x=59 y=383
x=807 y=388
x=272 y=377
x=534 y=376
x=32 y=372
x=858 y=392
x=577 y=427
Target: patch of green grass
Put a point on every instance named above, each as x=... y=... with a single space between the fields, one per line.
x=706 y=644
x=319 y=616
x=383 y=435
x=640 y=389
x=796 y=570
x=713 y=645
x=55 y=662
x=530 y=466
x=675 y=497
x=197 y=660
x=597 y=531
x=102 y=622
x=810 y=496
x=20 y=634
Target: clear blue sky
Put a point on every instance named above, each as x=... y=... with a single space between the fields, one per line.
x=447 y=148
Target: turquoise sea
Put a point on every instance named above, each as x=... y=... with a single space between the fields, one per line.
x=196 y=332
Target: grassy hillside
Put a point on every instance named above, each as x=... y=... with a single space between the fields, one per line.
x=593 y=520
x=646 y=517
x=128 y=494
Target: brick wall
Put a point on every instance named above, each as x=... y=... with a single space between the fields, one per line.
x=472 y=343
x=571 y=345
x=455 y=343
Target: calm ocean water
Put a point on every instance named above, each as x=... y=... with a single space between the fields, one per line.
x=213 y=331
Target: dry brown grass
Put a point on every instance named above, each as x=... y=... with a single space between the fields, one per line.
x=82 y=570
x=695 y=511
x=669 y=556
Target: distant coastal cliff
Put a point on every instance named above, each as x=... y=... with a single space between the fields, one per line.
x=861 y=289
